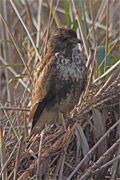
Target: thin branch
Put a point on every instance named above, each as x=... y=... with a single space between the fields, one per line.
x=39 y=26
x=106 y=45
x=109 y=52
x=93 y=23
x=14 y=108
x=107 y=72
x=10 y=156
x=15 y=74
x=97 y=163
x=110 y=80
x=25 y=27
x=3 y=153
x=39 y=153
x=91 y=150
x=81 y=27
x=17 y=161
x=10 y=123
x=107 y=164
x=17 y=48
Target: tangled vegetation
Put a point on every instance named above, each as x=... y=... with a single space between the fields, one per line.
x=88 y=147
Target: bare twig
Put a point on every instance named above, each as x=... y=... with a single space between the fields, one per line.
x=107 y=72
x=39 y=26
x=62 y=168
x=10 y=156
x=91 y=150
x=39 y=153
x=15 y=74
x=17 y=48
x=97 y=163
x=25 y=27
x=110 y=80
x=18 y=158
x=106 y=45
x=109 y=52
x=3 y=154
x=10 y=123
x=107 y=164
x=15 y=108
x=81 y=28
x=93 y=23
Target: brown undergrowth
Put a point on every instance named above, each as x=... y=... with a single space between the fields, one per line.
x=88 y=145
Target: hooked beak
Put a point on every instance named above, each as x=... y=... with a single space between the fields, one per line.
x=78 y=41
x=75 y=41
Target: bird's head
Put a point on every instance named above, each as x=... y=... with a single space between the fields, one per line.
x=63 y=38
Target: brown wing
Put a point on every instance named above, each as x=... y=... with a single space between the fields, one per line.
x=40 y=67
x=40 y=93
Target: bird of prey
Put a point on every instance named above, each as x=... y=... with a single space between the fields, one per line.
x=59 y=79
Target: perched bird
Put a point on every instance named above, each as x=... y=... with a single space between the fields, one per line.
x=59 y=79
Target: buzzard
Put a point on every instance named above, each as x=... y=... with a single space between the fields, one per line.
x=59 y=79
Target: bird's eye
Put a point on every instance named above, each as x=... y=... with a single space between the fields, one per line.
x=65 y=39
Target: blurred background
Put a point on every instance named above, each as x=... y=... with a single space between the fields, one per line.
x=25 y=28
x=100 y=20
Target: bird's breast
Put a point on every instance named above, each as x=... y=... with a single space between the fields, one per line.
x=70 y=68
x=70 y=80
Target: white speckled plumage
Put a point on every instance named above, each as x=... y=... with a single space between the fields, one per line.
x=71 y=68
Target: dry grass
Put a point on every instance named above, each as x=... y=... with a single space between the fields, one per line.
x=89 y=146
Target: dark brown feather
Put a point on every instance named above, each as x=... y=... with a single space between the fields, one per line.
x=59 y=80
